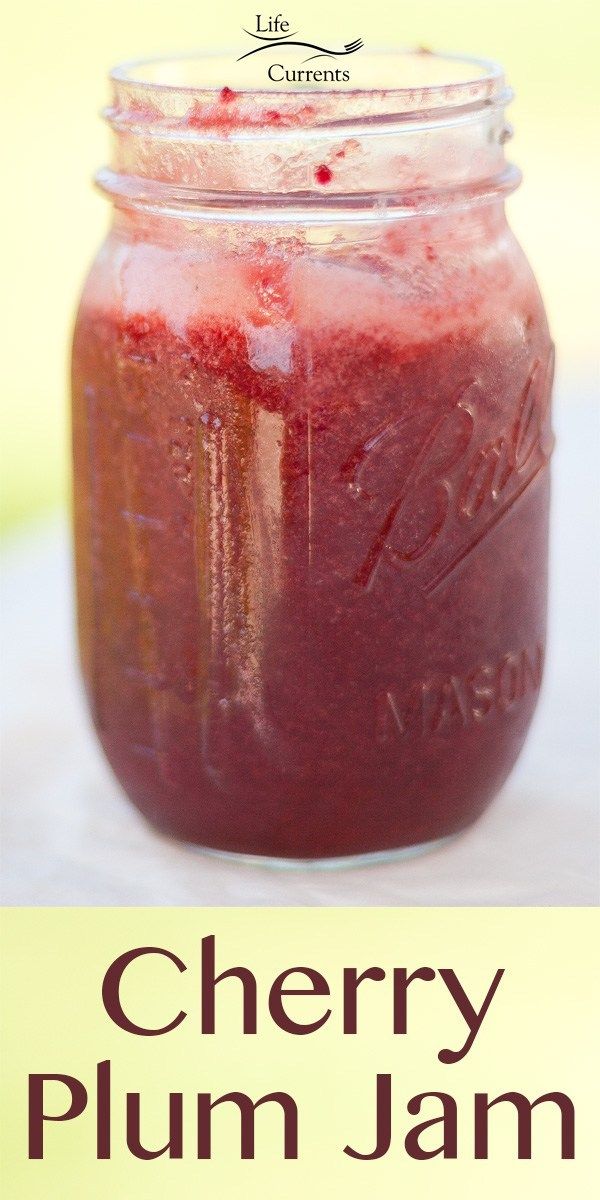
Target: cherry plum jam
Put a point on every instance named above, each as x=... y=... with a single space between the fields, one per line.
x=311 y=381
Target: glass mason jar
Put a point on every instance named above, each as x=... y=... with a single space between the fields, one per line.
x=311 y=380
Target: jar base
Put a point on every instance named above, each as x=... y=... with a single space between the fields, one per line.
x=340 y=862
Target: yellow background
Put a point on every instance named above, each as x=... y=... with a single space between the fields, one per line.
x=56 y=58
x=539 y=1035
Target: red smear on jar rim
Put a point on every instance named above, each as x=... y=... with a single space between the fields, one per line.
x=323 y=174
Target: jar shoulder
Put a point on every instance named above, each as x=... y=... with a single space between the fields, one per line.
x=421 y=281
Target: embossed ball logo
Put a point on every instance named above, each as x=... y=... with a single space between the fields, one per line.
x=273 y=33
x=459 y=486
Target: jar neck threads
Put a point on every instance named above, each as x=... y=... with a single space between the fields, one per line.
x=186 y=148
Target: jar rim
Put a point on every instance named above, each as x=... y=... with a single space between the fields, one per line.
x=433 y=85
x=183 y=140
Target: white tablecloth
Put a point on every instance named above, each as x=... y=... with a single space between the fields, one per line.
x=70 y=837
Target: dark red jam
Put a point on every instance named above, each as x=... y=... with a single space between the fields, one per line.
x=311 y=505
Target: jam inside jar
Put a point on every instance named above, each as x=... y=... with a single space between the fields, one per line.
x=311 y=381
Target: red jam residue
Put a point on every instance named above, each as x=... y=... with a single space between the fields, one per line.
x=323 y=174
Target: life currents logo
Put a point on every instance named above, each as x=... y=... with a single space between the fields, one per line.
x=288 y=53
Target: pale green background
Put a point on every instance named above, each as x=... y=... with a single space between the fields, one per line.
x=54 y=82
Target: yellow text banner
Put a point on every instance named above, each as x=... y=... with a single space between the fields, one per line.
x=377 y=1039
